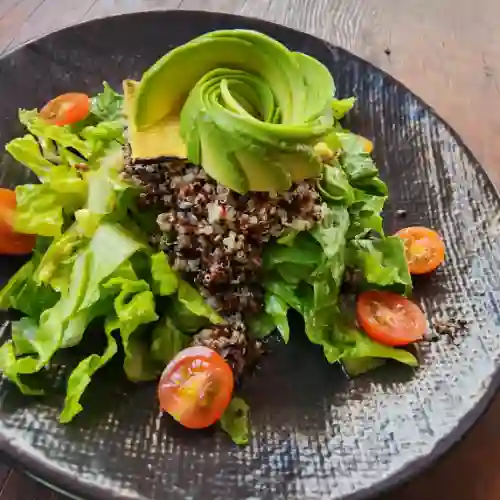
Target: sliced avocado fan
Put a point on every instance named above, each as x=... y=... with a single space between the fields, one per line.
x=247 y=109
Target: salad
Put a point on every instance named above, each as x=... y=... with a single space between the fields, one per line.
x=182 y=221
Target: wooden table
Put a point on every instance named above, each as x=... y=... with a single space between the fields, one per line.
x=447 y=52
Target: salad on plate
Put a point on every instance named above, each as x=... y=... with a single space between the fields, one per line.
x=188 y=217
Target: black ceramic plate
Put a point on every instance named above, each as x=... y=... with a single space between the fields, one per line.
x=316 y=435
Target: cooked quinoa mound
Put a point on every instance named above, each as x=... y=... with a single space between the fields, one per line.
x=215 y=237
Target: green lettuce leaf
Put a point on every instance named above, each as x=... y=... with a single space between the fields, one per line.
x=102 y=136
x=294 y=262
x=260 y=325
x=134 y=307
x=104 y=132
x=183 y=318
x=334 y=185
x=304 y=251
x=165 y=281
x=383 y=262
x=22 y=332
x=316 y=295
x=53 y=322
x=79 y=282
x=56 y=263
x=357 y=366
x=81 y=377
x=365 y=214
x=193 y=301
x=286 y=291
x=341 y=107
x=277 y=309
x=167 y=341
x=288 y=236
x=373 y=185
x=106 y=191
x=357 y=164
x=63 y=180
x=107 y=105
x=15 y=283
x=234 y=421
x=363 y=347
x=62 y=136
x=25 y=150
x=8 y=365
x=39 y=210
x=103 y=261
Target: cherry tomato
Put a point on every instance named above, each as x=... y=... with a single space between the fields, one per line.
x=389 y=318
x=12 y=243
x=66 y=109
x=196 y=387
x=367 y=144
x=424 y=249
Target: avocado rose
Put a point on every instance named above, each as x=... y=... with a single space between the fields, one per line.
x=246 y=109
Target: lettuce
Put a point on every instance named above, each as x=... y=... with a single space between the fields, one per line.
x=260 y=325
x=25 y=150
x=167 y=341
x=234 y=421
x=382 y=262
x=81 y=376
x=79 y=284
x=365 y=215
x=107 y=105
x=307 y=274
x=191 y=299
x=334 y=185
x=39 y=210
x=23 y=294
x=62 y=136
x=106 y=193
x=341 y=107
x=134 y=306
x=277 y=309
x=165 y=281
x=90 y=267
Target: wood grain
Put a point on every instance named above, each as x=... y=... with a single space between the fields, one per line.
x=447 y=52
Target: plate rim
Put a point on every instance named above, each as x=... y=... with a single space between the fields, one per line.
x=50 y=476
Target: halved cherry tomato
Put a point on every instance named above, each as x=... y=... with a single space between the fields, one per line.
x=66 y=109
x=12 y=243
x=389 y=318
x=196 y=387
x=424 y=249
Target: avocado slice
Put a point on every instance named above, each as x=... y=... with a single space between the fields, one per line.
x=160 y=140
x=240 y=104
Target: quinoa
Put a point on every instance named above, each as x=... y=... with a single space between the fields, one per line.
x=215 y=237
x=231 y=342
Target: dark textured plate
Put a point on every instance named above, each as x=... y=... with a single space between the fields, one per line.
x=315 y=434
